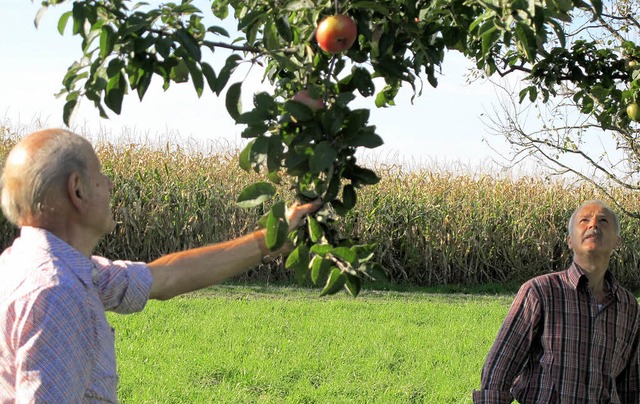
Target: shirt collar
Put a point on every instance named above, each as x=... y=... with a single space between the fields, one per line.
x=73 y=259
x=576 y=274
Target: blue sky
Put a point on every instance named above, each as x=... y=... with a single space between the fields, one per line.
x=441 y=127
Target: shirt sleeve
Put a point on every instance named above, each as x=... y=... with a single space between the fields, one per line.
x=510 y=351
x=53 y=347
x=627 y=383
x=124 y=286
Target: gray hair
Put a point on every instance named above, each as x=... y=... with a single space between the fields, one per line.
x=602 y=205
x=24 y=193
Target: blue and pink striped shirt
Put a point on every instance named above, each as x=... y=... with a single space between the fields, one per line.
x=55 y=342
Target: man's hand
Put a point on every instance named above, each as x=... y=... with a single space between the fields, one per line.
x=296 y=212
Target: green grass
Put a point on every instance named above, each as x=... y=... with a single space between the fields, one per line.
x=234 y=344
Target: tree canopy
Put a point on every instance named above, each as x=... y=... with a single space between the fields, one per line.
x=593 y=105
x=399 y=43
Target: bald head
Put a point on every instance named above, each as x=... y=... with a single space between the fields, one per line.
x=36 y=170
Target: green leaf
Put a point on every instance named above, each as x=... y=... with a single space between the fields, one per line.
x=69 y=108
x=254 y=117
x=143 y=82
x=225 y=73
x=361 y=176
x=62 y=22
x=597 y=9
x=107 y=41
x=320 y=270
x=78 y=17
x=321 y=249
x=115 y=92
x=333 y=188
x=210 y=75
x=335 y=282
x=189 y=43
x=346 y=254
x=316 y=232
x=220 y=9
x=233 y=104
x=385 y=96
x=254 y=131
x=277 y=227
x=254 y=154
x=255 y=194
x=365 y=138
x=363 y=82
x=245 y=157
x=218 y=30
x=196 y=75
x=323 y=157
x=353 y=284
x=298 y=262
x=349 y=196
x=526 y=36
x=284 y=29
x=275 y=154
x=298 y=110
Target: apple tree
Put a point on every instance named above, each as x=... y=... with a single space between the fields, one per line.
x=305 y=131
x=577 y=114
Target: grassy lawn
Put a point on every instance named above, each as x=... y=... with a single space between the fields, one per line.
x=238 y=344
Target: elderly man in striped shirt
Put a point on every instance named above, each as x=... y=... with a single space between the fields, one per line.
x=55 y=343
x=570 y=336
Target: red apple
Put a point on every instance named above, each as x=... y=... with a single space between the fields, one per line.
x=336 y=33
x=305 y=98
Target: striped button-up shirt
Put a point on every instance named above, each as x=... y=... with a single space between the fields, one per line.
x=56 y=345
x=557 y=345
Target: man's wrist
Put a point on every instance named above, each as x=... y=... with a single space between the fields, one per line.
x=260 y=237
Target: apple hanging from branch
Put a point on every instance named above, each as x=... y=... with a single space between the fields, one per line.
x=633 y=111
x=336 y=33
x=305 y=98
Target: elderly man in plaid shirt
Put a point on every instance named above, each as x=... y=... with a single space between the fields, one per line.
x=570 y=336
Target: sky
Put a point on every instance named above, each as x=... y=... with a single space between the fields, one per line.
x=443 y=127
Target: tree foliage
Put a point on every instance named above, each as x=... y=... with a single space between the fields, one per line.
x=399 y=43
x=578 y=97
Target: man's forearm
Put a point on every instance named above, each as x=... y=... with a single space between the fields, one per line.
x=194 y=269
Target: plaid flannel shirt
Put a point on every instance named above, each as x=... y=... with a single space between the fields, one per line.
x=557 y=346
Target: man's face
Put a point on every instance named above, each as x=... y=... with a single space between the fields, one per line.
x=593 y=232
x=99 y=196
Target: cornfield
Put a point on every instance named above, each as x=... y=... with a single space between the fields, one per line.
x=431 y=227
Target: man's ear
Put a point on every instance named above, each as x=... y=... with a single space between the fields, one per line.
x=569 y=243
x=75 y=190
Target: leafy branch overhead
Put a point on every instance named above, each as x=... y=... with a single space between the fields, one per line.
x=305 y=131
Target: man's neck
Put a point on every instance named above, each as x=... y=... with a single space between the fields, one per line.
x=595 y=270
x=67 y=232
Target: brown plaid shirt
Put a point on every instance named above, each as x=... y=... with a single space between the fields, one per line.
x=557 y=346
